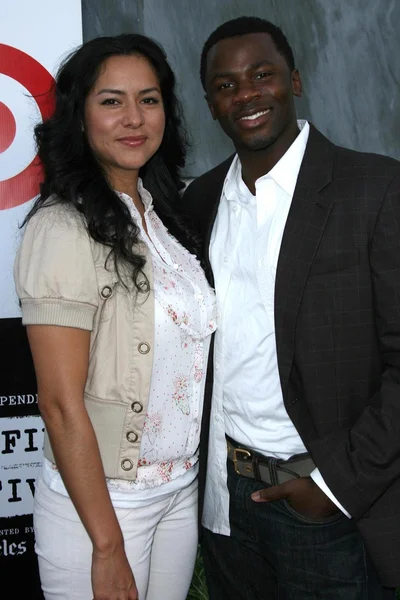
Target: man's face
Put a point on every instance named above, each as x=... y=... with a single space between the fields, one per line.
x=250 y=91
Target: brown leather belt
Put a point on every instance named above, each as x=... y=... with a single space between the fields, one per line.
x=273 y=471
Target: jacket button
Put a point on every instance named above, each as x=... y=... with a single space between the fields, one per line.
x=137 y=407
x=106 y=292
x=132 y=437
x=127 y=464
x=143 y=285
x=144 y=348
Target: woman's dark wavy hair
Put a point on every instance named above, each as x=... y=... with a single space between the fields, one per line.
x=74 y=176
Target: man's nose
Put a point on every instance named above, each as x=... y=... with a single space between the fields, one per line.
x=246 y=92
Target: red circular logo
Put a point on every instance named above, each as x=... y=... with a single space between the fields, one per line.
x=39 y=82
x=7 y=127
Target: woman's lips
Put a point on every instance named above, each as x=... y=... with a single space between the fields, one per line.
x=133 y=142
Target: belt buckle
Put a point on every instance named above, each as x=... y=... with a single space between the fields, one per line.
x=246 y=454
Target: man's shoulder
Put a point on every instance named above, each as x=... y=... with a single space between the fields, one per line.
x=210 y=180
x=363 y=162
x=357 y=158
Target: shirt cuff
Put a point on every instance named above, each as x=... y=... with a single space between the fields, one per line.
x=318 y=479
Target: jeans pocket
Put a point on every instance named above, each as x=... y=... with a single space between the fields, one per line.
x=311 y=520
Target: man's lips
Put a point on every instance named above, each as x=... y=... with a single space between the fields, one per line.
x=133 y=141
x=253 y=118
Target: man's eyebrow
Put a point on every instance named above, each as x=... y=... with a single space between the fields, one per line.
x=262 y=63
x=256 y=65
x=222 y=75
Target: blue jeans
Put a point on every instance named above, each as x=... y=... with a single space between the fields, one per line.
x=274 y=553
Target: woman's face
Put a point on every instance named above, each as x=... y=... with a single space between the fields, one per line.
x=124 y=117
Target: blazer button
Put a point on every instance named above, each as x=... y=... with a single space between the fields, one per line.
x=137 y=407
x=106 y=292
x=132 y=437
x=144 y=348
x=127 y=464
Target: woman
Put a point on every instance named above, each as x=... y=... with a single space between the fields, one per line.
x=119 y=318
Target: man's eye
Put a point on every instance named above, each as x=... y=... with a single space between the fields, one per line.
x=225 y=86
x=262 y=75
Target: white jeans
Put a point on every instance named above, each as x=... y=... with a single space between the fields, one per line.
x=160 y=543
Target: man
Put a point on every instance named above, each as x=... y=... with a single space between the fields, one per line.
x=302 y=243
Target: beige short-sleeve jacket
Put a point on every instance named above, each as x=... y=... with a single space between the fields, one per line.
x=61 y=279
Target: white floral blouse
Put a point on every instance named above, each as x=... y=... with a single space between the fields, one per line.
x=184 y=321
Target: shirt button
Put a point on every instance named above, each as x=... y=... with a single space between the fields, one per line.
x=226 y=259
x=217 y=367
x=234 y=208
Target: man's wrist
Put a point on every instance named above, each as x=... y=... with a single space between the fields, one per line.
x=319 y=481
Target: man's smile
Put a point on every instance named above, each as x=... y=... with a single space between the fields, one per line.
x=253 y=116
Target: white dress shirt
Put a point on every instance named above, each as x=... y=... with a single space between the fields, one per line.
x=247 y=401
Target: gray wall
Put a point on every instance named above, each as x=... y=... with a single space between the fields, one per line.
x=347 y=52
x=111 y=17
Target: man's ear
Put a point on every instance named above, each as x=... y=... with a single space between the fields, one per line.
x=297 y=86
x=210 y=106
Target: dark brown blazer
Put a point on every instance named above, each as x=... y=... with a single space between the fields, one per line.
x=337 y=321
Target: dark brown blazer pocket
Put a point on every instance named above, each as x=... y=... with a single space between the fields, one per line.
x=326 y=263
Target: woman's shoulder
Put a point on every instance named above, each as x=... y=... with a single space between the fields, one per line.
x=57 y=216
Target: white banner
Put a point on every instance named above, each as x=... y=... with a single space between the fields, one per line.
x=21 y=447
x=34 y=38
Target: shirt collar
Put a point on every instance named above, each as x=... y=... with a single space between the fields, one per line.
x=284 y=173
x=143 y=193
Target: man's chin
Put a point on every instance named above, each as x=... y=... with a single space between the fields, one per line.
x=256 y=143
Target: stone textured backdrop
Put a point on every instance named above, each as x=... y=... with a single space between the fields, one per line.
x=347 y=53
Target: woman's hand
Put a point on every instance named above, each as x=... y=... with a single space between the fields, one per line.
x=112 y=577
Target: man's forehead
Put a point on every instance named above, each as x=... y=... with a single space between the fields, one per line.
x=239 y=51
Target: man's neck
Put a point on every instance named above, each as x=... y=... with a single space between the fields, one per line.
x=257 y=163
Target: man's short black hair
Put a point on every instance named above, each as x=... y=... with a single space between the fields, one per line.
x=244 y=26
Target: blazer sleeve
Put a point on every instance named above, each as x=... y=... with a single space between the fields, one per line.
x=361 y=464
x=54 y=271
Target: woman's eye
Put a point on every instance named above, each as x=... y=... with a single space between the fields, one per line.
x=150 y=100
x=110 y=102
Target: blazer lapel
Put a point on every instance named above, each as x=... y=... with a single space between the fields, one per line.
x=304 y=228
